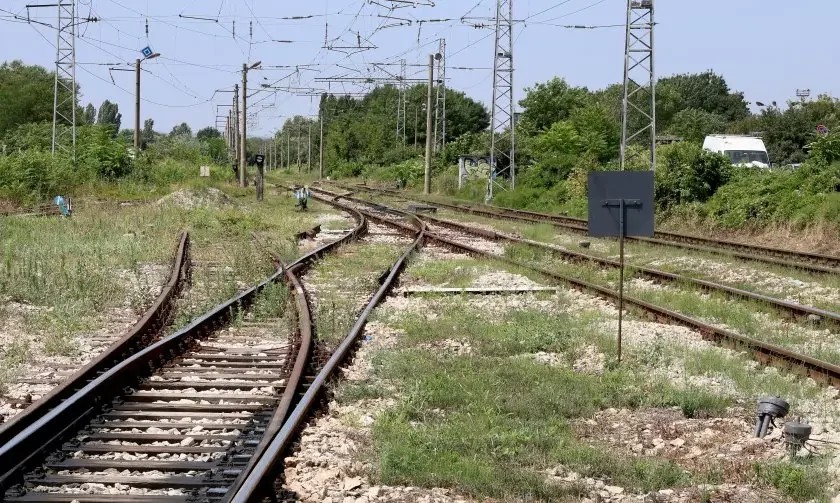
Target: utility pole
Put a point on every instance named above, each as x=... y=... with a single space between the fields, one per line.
x=235 y=127
x=243 y=145
x=289 y=148
x=639 y=80
x=416 y=123
x=137 y=107
x=401 y=105
x=299 y=141
x=427 y=185
x=502 y=109
x=309 y=150
x=321 y=145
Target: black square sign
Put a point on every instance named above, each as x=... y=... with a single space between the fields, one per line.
x=607 y=189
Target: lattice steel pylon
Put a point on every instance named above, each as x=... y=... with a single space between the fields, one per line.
x=64 y=90
x=440 y=108
x=502 y=136
x=401 y=105
x=638 y=116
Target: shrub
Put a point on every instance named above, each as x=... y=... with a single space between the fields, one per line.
x=686 y=173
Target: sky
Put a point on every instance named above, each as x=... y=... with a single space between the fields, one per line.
x=766 y=48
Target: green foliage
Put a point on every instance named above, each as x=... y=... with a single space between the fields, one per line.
x=555 y=100
x=693 y=124
x=802 y=481
x=89 y=116
x=181 y=131
x=37 y=175
x=26 y=95
x=555 y=153
x=409 y=173
x=686 y=173
x=706 y=91
x=109 y=114
x=207 y=133
x=758 y=197
x=826 y=148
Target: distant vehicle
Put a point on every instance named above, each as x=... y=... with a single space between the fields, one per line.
x=741 y=150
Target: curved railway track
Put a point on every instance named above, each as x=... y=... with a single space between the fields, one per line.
x=766 y=353
x=138 y=336
x=260 y=480
x=812 y=262
x=184 y=419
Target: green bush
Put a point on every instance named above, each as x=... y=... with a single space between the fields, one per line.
x=758 y=197
x=686 y=173
x=36 y=175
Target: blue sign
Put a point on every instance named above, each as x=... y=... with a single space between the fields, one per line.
x=147 y=51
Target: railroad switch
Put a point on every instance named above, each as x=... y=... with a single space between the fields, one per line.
x=769 y=408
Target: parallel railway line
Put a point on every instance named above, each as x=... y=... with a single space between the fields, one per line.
x=771 y=354
x=812 y=262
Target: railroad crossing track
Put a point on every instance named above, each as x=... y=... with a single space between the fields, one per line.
x=813 y=262
x=184 y=419
x=451 y=236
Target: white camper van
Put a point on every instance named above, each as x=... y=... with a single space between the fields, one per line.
x=741 y=150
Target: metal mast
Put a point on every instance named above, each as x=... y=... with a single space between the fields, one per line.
x=64 y=90
x=440 y=108
x=502 y=137
x=401 y=105
x=638 y=118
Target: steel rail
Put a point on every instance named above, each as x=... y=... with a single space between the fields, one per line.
x=813 y=262
x=28 y=447
x=769 y=354
x=147 y=328
x=259 y=481
x=793 y=308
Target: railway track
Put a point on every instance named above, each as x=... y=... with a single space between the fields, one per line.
x=812 y=262
x=146 y=329
x=260 y=480
x=766 y=353
x=183 y=419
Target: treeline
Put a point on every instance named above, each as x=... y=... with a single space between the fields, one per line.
x=30 y=171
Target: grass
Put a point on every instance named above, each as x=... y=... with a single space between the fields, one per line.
x=454 y=273
x=77 y=271
x=804 y=480
x=741 y=316
x=490 y=422
x=661 y=257
x=347 y=279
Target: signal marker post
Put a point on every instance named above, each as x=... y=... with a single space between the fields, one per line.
x=621 y=205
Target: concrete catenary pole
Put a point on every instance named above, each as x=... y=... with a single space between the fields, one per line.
x=309 y=150
x=137 y=107
x=427 y=185
x=321 y=148
x=243 y=145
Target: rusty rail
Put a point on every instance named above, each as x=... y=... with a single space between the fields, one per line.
x=259 y=481
x=28 y=448
x=812 y=262
x=138 y=336
x=766 y=353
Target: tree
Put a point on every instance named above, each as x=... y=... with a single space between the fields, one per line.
x=26 y=95
x=545 y=104
x=147 y=134
x=109 y=113
x=706 y=91
x=182 y=130
x=207 y=133
x=694 y=125
x=89 y=116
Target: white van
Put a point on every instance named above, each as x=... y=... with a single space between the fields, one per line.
x=741 y=150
